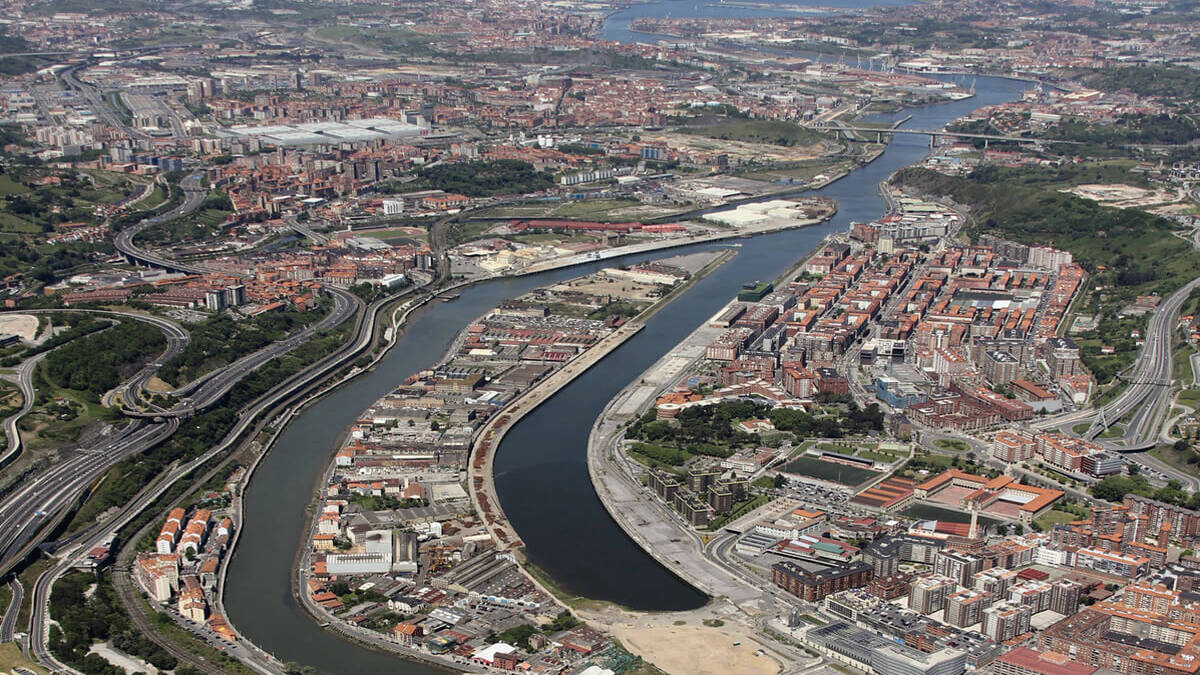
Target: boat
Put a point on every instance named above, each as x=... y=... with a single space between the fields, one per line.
x=450 y=298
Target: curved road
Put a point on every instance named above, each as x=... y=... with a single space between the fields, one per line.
x=1149 y=377
x=8 y=625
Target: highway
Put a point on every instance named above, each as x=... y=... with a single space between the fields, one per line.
x=24 y=512
x=70 y=78
x=843 y=128
x=1149 y=387
x=305 y=230
x=194 y=195
x=177 y=340
x=27 y=513
x=287 y=389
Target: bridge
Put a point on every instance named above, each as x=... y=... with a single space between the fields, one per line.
x=841 y=128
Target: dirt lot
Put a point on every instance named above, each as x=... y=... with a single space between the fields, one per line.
x=600 y=284
x=696 y=649
x=21 y=325
x=1123 y=196
x=738 y=151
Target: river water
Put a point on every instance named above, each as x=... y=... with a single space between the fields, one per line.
x=617 y=25
x=541 y=470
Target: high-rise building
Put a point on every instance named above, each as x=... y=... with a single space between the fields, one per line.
x=958 y=566
x=927 y=594
x=1065 y=595
x=1006 y=620
x=965 y=607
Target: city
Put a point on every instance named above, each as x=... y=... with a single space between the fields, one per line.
x=599 y=337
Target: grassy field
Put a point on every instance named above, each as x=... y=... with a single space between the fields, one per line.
x=391 y=41
x=1054 y=517
x=461 y=233
x=769 y=132
x=1178 y=459
x=157 y=196
x=1182 y=362
x=393 y=234
x=11 y=657
x=600 y=210
x=828 y=471
x=29 y=577
x=951 y=445
x=802 y=172
x=1190 y=397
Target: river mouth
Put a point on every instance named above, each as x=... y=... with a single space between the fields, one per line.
x=540 y=467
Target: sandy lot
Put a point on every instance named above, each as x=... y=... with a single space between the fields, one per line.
x=23 y=325
x=1123 y=196
x=697 y=649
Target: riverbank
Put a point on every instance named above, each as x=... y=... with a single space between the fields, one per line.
x=666 y=244
x=552 y=497
x=481 y=491
x=481 y=476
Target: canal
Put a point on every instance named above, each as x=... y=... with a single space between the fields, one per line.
x=541 y=470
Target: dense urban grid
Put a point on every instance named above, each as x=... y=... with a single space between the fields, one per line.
x=852 y=338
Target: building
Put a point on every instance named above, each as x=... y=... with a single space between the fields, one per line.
x=1127 y=640
x=192 y=605
x=928 y=594
x=957 y=565
x=1025 y=661
x=1002 y=495
x=965 y=607
x=1005 y=621
x=1013 y=446
x=169 y=534
x=995 y=580
x=157 y=574
x=1065 y=595
x=814 y=586
x=1062 y=357
x=1184 y=523
x=1125 y=567
x=885 y=553
x=1034 y=594
x=845 y=643
x=1000 y=368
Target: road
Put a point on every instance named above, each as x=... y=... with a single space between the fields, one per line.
x=177 y=341
x=194 y=195
x=1149 y=388
x=8 y=625
x=70 y=78
x=305 y=230
x=30 y=511
x=25 y=383
x=287 y=389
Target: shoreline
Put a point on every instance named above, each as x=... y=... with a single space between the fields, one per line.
x=481 y=484
x=612 y=477
x=487 y=438
x=399 y=318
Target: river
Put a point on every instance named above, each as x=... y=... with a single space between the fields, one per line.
x=617 y=25
x=541 y=470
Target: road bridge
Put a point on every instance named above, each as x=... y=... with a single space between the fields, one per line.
x=935 y=133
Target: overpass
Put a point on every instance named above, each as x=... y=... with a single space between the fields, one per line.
x=305 y=231
x=194 y=194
